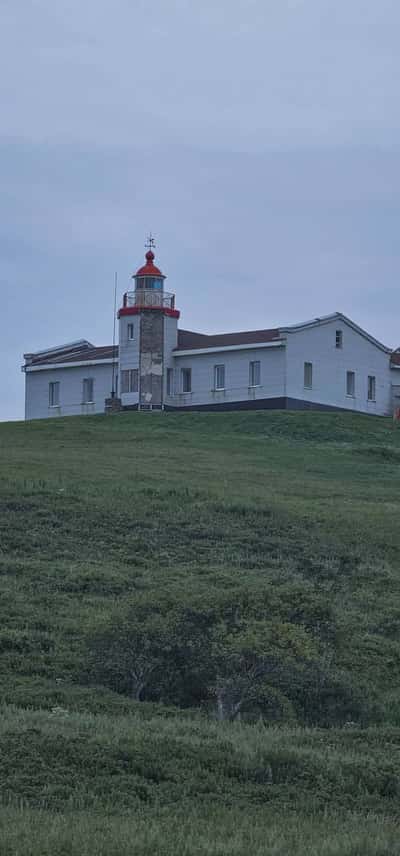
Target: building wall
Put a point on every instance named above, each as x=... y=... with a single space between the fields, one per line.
x=170 y=343
x=330 y=365
x=237 y=388
x=128 y=355
x=281 y=381
x=71 y=380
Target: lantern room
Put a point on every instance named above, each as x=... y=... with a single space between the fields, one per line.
x=149 y=276
x=149 y=291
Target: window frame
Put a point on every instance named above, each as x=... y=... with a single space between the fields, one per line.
x=130 y=327
x=350 y=375
x=252 y=372
x=219 y=367
x=54 y=384
x=308 y=366
x=87 y=380
x=339 y=340
x=186 y=372
x=129 y=381
x=371 y=388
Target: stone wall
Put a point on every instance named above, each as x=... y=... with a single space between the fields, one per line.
x=151 y=358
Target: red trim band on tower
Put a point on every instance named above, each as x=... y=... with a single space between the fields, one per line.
x=136 y=310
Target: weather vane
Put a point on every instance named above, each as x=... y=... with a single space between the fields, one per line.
x=150 y=243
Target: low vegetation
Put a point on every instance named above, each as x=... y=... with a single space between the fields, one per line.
x=200 y=647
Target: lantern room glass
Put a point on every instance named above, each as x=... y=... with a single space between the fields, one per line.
x=149 y=283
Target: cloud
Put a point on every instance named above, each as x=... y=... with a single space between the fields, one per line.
x=258 y=140
x=246 y=74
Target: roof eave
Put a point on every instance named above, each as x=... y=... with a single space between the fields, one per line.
x=70 y=365
x=215 y=349
x=76 y=345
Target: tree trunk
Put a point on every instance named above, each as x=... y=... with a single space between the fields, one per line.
x=138 y=686
x=226 y=708
x=236 y=711
x=220 y=705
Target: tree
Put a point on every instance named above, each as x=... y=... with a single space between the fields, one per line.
x=245 y=663
x=129 y=654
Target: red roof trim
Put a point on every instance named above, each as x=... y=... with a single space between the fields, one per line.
x=136 y=310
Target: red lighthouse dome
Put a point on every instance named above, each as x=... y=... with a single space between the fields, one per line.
x=149 y=269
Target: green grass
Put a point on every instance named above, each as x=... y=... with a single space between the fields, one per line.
x=280 y=517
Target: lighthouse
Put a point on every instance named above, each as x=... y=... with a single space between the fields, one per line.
x=148 y=334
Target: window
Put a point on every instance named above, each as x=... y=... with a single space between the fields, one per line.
x=170 y=381
x=130 y=380
x=219 y=377
x=308 y=375
x=371 y=388
x=255 y=373
x=186 y=380
x=130 y=331
x=351 y=384
x=54 y=394
x=339 y=338
x=87 y=390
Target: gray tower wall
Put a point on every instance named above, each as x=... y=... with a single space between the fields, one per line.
x=151 y=358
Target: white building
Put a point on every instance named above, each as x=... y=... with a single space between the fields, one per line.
x=326 y=363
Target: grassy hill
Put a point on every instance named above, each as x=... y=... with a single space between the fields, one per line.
x=200 y=646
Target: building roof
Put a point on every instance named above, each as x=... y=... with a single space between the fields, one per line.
x=76 y=352
x=104 y=352
x=149 y=269
x=188 y=340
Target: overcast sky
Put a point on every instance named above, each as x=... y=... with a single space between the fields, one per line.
x=258 y=139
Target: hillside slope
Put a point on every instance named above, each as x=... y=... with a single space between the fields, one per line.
x=159 y=572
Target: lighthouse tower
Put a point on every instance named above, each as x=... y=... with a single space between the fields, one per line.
x=148 y=333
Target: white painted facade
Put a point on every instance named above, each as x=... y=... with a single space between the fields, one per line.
x=328 y=362
x=316 y=343
x=70 y=380
x=236 y=362
x=128 y=357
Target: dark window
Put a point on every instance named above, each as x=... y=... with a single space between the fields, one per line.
x=54 y=394
x=339 y=338
x=255 y=373
x=186 y=380
x=351 y=384
x=219 y=377
x=130 y=331
x=87 y=390
x=129 y=380
x=371 y=388
x=308 y=375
